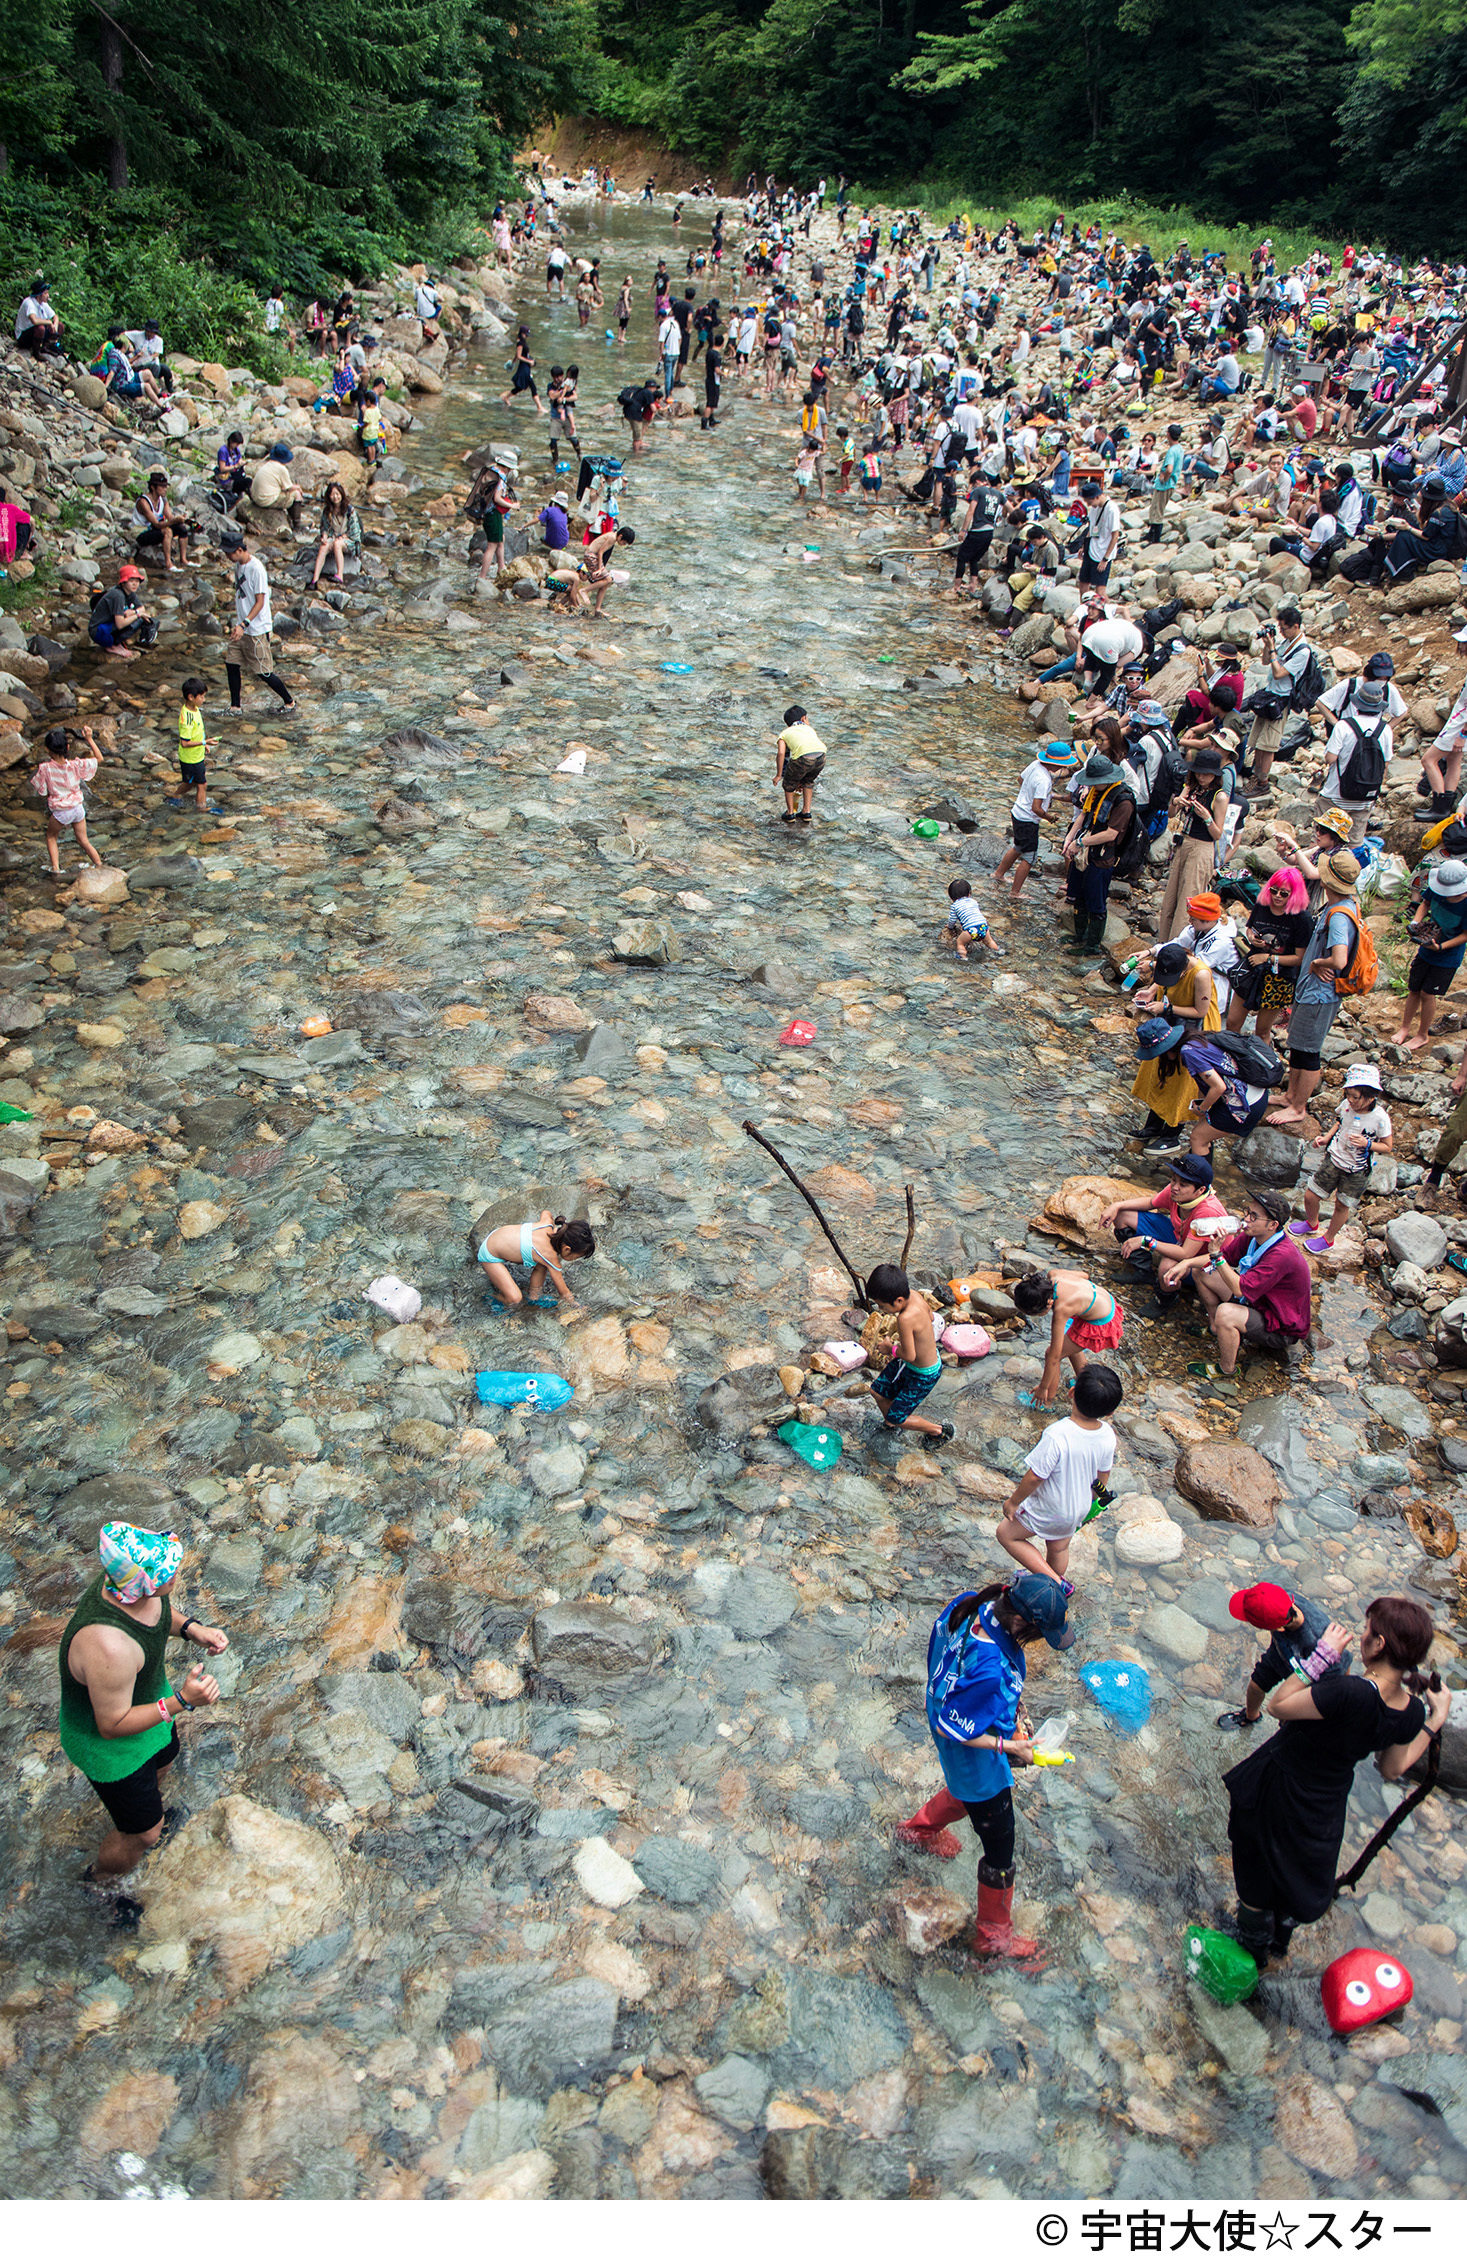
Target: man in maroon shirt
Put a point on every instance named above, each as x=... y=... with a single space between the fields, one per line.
x=1255 y=1287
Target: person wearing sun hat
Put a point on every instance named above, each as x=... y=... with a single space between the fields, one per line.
x=118 y=1711
x=1184 y=996
x=1096 y=838
x=1361 y=1130
x=1033 y=807
x=1331 y=831
x=1327 y=953
x=975 y=1687
x=1296 y=1630
x=1440 y=935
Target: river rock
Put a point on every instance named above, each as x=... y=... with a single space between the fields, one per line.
x=734 y=2090
x=646 y=942
x=1417 y=1239
x=682 y=1873
x=1142 y=1545
x=1229 y=1483
x=1270 y=1157
x=247 y=1882
x=597 y=1642
x=604 y=1875
x=1175 y=1633
x=1311 y=2125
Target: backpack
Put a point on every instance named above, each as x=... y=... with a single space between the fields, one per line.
x=1257 y=1060
x=1310 y=686
x=1361 y=971
x=1362 y=776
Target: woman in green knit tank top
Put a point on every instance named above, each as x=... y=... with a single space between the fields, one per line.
x=117 y=1706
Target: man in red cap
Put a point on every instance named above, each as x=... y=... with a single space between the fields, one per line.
x=118 y=620
x=1297 y=1645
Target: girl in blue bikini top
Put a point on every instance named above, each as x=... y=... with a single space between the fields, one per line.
x=542 y=1249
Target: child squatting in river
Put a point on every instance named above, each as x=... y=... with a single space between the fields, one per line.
x=542 y=1249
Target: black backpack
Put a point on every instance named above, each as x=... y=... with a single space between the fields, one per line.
x=1362 y=776
x=1257 y=1060
x=1310 y=686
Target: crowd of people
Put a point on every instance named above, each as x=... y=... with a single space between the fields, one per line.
x=992 y=433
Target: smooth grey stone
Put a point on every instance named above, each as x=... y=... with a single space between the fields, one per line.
x=681 y=1873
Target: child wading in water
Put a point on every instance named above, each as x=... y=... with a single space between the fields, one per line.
x=59 y=781
x=542 y=1250
x=1086 y=1317
x=1064 y=1484
x=915 y=1366
x=799 y=757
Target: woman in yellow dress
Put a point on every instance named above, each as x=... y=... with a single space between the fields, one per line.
x=1183 y=989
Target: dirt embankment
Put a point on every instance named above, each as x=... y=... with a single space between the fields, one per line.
x=573 y=142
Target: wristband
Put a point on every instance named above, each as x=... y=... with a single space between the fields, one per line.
x=183 y=1628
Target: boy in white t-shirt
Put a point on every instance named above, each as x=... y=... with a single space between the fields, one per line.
x=1065 y=1483
x=1034 y=807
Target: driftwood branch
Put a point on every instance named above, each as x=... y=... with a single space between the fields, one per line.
x=911 y=1229
x=807 y=1196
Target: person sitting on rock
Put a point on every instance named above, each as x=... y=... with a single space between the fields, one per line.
x=1173 y=1225
x=341 y=535
x=155 y=526
x=273 y=486
x=1254 y=1286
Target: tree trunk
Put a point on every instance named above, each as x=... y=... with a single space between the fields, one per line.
x=4 y=160
x=112 y=73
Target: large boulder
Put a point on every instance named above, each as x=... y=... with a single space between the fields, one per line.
x=1269 y=1157
x=1414 y=1238
x=1073 y=1208
x=1033 y=635
x=1439 y=587
x=90 y=391
x=1229 y=1483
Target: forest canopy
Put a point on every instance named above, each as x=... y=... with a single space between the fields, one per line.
x=202 y=153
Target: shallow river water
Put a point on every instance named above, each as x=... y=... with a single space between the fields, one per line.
x=652 y=1943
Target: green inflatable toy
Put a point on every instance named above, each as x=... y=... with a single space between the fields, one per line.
x=926 y=828
x=1220 y=1965
x=819 y=1446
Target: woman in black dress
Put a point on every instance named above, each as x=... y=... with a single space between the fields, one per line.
x=1290 y=1799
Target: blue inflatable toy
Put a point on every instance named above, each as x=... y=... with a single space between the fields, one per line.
x=1123 y=1692
x=676 y=667
x=545 y=1390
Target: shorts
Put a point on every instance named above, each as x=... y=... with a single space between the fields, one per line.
x=1156 y=1226
x=192 y=772
x=904 y=1390
x=1025 y=836
x=1259 y=1330
x=1046 y=1522
x=1431 y=974
x=136 y=1802
x=804 y=771
x=258 y=650
x=151 y=537
x=1082 y=1335
x=1347 y=1185
x=1308 y=1063
x=1093 y=576
x=1222 y=1118
x=493 y=526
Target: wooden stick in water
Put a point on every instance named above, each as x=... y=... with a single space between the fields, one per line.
x=807 y=1196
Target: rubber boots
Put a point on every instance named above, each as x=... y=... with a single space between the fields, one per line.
x=928 y=1830
x=1256 y=1932
x=1090 y=936
x=993 y=1932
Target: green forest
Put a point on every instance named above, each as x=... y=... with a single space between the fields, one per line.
x=188 y=155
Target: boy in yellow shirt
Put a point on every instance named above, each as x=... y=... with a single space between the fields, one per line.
x=192 y=747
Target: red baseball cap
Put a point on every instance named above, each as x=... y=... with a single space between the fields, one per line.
x=1268 y=1607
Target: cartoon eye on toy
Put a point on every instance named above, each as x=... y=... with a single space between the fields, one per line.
x=1357 y=1993
x=1388 y=1975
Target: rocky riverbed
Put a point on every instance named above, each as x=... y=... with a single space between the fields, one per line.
x=543 y=1842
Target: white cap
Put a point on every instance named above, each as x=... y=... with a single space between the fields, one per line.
x=1362 y=1077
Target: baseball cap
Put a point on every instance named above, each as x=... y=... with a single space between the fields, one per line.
x=1266 y=1607
x=1193 y=1169
x=231 y=538
x=1362 y=1076
x=1090 y=487
x=1042 y=1601
x=128 y=573
x=1380 y=666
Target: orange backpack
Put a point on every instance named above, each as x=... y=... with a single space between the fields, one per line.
x=1363 y=966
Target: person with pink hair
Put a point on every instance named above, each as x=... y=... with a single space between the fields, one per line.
x=1271 y=950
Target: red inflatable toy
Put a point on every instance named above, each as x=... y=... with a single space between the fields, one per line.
x=1362 y=1987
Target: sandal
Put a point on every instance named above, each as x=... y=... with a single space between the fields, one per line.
x=1456 y=1261
x=1207 y=1369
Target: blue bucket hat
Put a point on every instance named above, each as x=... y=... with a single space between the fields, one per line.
x=1058 y=755
x=1042 y=1601
x=1154 y=1037
x=280 y=453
